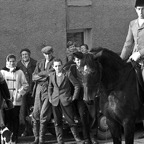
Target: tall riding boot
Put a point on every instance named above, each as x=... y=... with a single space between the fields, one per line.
x=59 y=134
x=42 y=133
x=36 y=132
x=75 y=134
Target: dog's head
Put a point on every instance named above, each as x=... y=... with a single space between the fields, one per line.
x=6 y=135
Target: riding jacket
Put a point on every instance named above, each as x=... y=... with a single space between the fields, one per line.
x=134 y=40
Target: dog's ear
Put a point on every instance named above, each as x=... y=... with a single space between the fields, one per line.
x=11 y=135
x=2 y=127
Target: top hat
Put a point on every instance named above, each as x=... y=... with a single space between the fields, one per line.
x=139 y=3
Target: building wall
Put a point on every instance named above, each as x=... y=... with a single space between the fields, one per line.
x=109 y=20
x=32 y=23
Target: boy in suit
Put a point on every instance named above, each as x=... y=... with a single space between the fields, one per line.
x=59 y=92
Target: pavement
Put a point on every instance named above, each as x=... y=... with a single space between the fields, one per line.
x=50 y=139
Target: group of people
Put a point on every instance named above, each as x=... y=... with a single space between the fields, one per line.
x=57 y=89
x=53 y=89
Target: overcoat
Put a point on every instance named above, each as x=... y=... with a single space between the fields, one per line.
x=28 y=71
x=41 y=78
x=1 y=97
x=27 y=100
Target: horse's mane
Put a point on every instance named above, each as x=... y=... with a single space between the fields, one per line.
x=112 y=65
x=108 y=57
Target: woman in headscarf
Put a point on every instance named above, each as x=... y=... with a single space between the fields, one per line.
x=18 y=86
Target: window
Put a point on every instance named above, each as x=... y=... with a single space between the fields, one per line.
x=77 y=37
x=79 y=2
x=83 y=36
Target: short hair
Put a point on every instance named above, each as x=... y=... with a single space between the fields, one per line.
x=86 y=46
x=57 y=60
x=25 y=49
x=70 y=43
x=10 y=56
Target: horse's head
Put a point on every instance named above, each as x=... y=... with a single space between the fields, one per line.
x=91 y=76
x=100 y=66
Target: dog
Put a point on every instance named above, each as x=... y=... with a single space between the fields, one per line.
x=6 y=136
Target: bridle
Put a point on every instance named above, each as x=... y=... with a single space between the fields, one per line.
x=98 y=84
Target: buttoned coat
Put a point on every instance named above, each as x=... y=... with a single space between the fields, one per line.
x=62 y=93
x=41 y=77
x=42 y=107
x=28 y=71
x=134 y=40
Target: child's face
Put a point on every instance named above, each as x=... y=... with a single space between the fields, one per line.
x=77 y=61
x=84 y=49
x=57 y=66
x=12 y=62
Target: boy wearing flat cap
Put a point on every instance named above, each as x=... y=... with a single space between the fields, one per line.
x=42 y=107
x=27 y=65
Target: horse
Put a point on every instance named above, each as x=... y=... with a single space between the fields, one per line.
x=115 y=81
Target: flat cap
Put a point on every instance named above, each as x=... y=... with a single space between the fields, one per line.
x=78 y=55
x=25 y=49
x=47 y=49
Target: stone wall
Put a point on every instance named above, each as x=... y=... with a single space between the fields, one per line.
x=30 y=23
x=109 y=20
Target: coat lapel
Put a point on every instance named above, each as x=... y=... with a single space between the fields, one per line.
x=139 y=27
x=63 y=78
x=54 y=79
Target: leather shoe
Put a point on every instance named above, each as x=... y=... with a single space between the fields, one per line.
x=77 y=139
x=24 y=134
x=141 y=136
x=87 y=141
x=94 y=141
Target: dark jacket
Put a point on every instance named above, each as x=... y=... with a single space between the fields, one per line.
x=41 y=76
x=28 y=71
x=62 y=93
x=4 y=91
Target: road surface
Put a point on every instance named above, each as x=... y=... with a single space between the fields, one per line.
x=50 y=139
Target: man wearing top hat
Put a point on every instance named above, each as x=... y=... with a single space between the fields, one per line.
x=134 y=45
x=42 y=108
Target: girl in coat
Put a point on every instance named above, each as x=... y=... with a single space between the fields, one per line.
x=17 y=86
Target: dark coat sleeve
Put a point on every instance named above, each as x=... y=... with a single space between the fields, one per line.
x=4 y=90
x=50 y=88
x=76 y=85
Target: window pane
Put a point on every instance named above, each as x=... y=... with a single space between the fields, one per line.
x=79 y=2
x=77 y=37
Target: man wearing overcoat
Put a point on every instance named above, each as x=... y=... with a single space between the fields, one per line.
x=42 y=107
x=27 y=65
